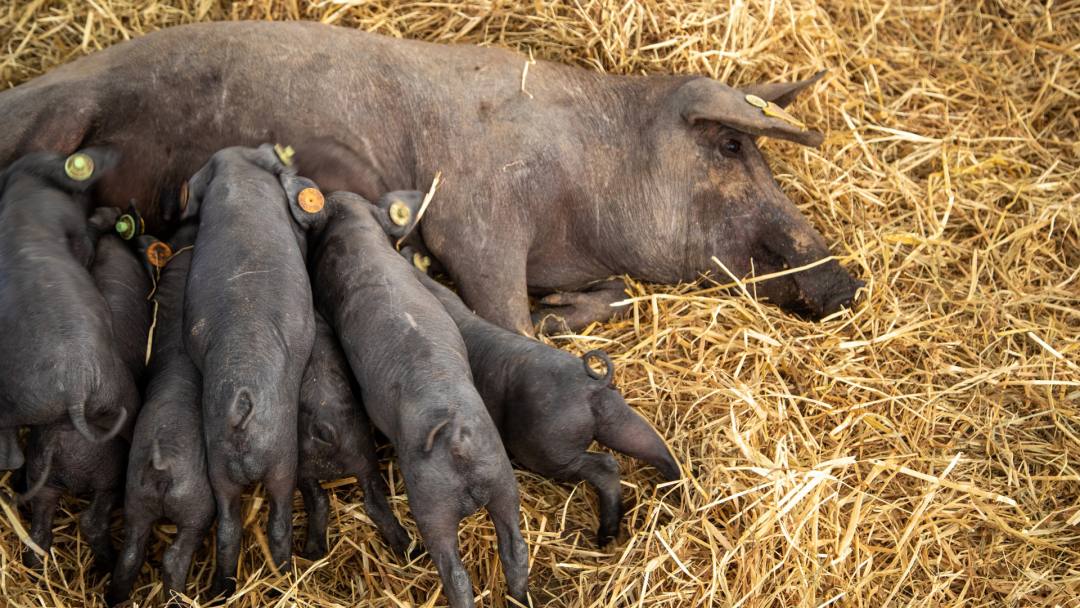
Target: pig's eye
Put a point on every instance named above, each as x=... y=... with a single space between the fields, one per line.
x=731 y=147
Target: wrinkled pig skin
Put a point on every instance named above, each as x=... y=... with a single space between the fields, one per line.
x=549 y=408
x=336 y=441
x=58 y=457
x=410 y=363
x=553 y=179
x=167 y=474
x=57 y=359
x=249 y=327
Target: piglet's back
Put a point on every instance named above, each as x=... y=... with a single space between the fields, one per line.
x=370 y=295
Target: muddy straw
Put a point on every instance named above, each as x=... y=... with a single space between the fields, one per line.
x=855 y=462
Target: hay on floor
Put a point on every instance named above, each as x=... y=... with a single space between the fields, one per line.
x=920 y=450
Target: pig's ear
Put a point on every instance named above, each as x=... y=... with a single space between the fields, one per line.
x=306 y=202
x=782 y=93
x=399 y=211
x=323 y=432
x=706 y=100
x=196 y=190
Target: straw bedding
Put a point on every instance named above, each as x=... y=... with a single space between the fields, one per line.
x=919 y=450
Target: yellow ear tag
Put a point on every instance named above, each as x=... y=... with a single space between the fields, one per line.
x=774 y=111
x=399 y=213
x=79 y=167
x=284 y=154
x=422 y=262
x=158 y=254
x=310 y=200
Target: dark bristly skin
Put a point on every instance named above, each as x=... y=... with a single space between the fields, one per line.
x=167 y=474
x=336 y=441
x=45 y=251
x=569 y=176
x=59 y=459
x=249 y=328
x=549 y=408
x=410 y=363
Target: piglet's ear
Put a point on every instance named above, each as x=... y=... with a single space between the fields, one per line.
x=196 y=190
x=101 y=222
x=306 y=202
x=399 y=211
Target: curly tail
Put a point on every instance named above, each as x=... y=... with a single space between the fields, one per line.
x=609 y=367
x=32 y=491
x=77 y=412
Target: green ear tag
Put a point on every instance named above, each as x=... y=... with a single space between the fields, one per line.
x=79 y=167
x=126 y=227
x=399 y=213
x=284 y=154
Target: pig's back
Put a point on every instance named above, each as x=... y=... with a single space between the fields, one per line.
x=396 y=335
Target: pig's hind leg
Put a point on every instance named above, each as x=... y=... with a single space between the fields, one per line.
x=505 y=511
x=42 y=509
x=229 y=531
x=602 y=472
x=280 y=486
x=317 y=505
x=137 y=526
x=94 y=523
x=438 y=525
x=176 y=562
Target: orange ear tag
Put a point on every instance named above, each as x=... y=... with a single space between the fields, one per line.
x=311 y=200
x=158 y=254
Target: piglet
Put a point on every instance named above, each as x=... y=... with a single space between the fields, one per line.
x=411 y=365
x=58 y=456
x=249 y=326
x=57 y=360
x=336 y=441
x=166 y=475
x=550 y=405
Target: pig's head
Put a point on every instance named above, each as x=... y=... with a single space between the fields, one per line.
x=710 y=193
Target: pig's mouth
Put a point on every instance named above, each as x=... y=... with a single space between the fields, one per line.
x=813 y=293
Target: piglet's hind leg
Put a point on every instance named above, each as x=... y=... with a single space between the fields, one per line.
x=94 y=523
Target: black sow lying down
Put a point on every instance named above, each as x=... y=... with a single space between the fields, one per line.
x=549 y=406
x=249 y=328
x=166 y=476
x=45 y=250
x=411 y=365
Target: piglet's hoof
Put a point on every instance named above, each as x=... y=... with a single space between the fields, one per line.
x=573 y=311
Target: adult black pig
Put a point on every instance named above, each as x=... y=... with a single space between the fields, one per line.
x=411 y=365
x=166 y=475
x=549 y=406
x=58 y=457
x=249 y=327
x=335 y=440
x=57 y=357
x=554 y=178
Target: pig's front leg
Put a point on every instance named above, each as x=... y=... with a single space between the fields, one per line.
x=576 y=310
x=317 y=506
x=94 y=523
x=495 y=289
